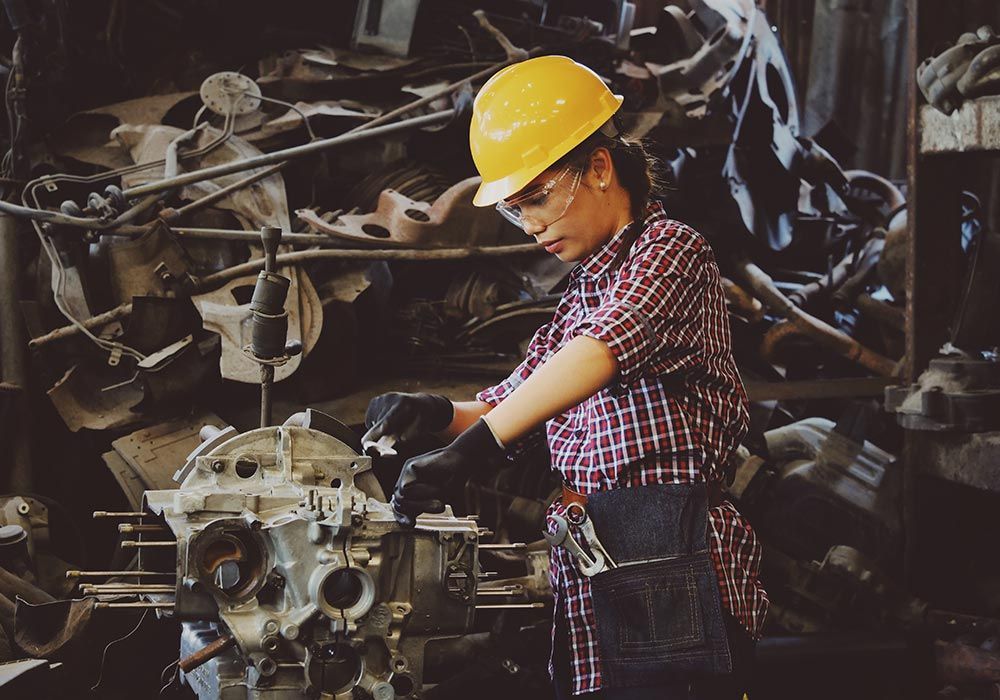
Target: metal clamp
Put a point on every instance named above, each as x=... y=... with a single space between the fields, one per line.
x=588 y=564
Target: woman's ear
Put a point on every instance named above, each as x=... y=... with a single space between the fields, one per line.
x=601 y=166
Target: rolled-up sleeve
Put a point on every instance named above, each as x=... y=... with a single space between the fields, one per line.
x=651 y=315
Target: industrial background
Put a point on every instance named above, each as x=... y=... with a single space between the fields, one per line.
x=839 y=155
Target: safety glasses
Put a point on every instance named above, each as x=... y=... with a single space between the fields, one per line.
x=543 y=204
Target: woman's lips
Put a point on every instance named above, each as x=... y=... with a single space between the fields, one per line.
x=554 y=246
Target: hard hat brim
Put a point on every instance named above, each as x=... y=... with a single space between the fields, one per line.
x=489 y=193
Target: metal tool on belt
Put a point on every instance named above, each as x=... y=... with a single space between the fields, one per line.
x=590 y=564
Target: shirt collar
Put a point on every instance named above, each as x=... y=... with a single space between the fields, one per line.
x=599 y=262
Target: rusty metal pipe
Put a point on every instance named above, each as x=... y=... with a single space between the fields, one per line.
x=220 y=278
x=171 y=214
x=206 y=653
x=289 y=153
x=13 y=360
x=823 y=333
x=880 y=311
x=742 y=301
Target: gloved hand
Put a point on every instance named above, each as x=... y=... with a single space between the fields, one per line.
x=403 y=417
x=422 y=482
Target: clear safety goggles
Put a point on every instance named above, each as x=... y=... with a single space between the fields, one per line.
x=543 y=204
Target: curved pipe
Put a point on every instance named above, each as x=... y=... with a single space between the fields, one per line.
x=892 y=195
x=823 y=333
x=775 y=335
x=742 y=301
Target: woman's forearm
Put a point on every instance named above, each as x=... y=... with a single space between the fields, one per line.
x=466 y=413
x=577 y=371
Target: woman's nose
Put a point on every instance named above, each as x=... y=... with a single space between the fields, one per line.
x=532 y=228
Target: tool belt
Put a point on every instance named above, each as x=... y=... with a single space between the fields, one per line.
x=655 y=591
x=716 y=495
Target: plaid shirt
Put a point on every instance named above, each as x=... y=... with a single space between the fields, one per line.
x=674 y=414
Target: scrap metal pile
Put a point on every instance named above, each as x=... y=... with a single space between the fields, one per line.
x=138 y=225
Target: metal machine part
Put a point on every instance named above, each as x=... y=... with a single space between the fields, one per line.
x=969 y=69
x=284 y=543
x=954 y=394
x=818 y=487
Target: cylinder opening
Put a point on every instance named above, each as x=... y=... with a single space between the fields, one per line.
x=336 y=668
x=342 y=589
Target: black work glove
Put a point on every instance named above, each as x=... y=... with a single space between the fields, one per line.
x=406 y=416
x=422 y=483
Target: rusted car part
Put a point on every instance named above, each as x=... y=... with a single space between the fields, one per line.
x=711 y=43
x=255 y=203
x=846 y=589
x=833 y=488
x=37 y=214
x=969 y=69
x=13 y=360
x=147 y=459
x=450 y=221
x=953 y=394
x=762 y=286
x=409 y=178
x=84 y=136
x=741 y=301
x=87 y=397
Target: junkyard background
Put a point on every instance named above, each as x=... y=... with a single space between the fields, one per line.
x=790 y=136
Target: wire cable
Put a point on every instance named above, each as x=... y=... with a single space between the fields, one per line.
x=100 y=674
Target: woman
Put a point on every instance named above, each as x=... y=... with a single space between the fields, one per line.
x=634 y=384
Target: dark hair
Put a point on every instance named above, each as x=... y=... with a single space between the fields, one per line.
x=638 y=170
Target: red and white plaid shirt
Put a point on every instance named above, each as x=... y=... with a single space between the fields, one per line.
x=675 y=413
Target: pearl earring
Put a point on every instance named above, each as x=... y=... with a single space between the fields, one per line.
x=604 y=185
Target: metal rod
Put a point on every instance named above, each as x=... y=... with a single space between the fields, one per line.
x=104 y=605
x=213 y=281
x=129 y=527
x=266 y=381
x=73 y=573
x=132 y=544
x=502 y=545
x=206 y=653
x=511 y=606
x=219 y=278
x=222 y=192
x=120 y=514
x=122 y=590
x=288 y=153
x=225 y=234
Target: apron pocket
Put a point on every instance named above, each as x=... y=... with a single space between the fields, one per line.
x=660 y=621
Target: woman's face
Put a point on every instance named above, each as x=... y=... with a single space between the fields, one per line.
x=568 y=212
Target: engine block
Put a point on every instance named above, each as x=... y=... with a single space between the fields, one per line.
x=294 y=579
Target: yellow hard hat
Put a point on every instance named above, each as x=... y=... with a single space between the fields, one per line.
x=528 y=116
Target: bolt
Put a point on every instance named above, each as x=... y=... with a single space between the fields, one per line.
x=271 y=626
x=218 y=466
x=383 y=691
x=290 y=631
